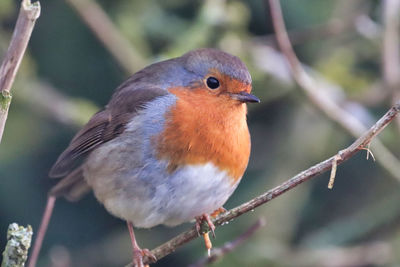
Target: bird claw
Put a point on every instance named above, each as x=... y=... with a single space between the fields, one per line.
x=206 y=218
x=137 y=258
x=138 y=255
x=147 y=253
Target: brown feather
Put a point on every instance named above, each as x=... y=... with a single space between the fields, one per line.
x=104 y=126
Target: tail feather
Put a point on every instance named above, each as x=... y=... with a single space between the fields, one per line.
x=73 y=187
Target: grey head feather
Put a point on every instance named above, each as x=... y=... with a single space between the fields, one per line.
x=183 y=71
x=200 y=61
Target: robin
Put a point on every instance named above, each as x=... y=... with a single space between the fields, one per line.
x=171 y=145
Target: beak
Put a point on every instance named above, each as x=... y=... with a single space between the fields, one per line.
x=245 y=97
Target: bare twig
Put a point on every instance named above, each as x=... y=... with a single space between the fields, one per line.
x=18 y=243
x=101 y=25
x=51 y=200
x=391 y=49
x=228 y=247
x=170 y=246
x=28 y=14
x=49 y=102
x=331 y=29
x=320 y=99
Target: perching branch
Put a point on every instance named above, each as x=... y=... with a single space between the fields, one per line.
x=18 y=243
x=345 y=154
x=228 y=247
x=321 y=99
x=28 y=14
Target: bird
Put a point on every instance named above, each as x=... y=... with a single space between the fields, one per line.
x=170 y=147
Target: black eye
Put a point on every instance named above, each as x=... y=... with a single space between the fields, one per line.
x=212 y=82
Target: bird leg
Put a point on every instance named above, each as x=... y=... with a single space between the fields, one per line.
x=207 y=241
x=138 y=253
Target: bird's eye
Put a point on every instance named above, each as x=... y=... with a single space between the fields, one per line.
x=212 y=83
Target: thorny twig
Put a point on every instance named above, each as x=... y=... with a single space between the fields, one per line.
x=320 y=99
x=345 y=154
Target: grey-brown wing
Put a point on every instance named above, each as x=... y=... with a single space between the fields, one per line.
x=104 y=126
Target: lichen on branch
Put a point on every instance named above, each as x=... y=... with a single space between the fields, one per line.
x=5 y=100
x=18 y=243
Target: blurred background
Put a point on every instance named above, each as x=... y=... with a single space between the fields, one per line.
x=350 y=48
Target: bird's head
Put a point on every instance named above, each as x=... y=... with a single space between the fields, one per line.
x=219 y=74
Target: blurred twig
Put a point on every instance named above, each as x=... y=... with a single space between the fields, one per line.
x=49 y=102
x=28 y=14
x=101 y=25
x=18 y=243
x=320 y=99
x=347 y=229
x=306 y=175
x=331 y=29
x=228 y=247
x=368 y=254
x=391 y=48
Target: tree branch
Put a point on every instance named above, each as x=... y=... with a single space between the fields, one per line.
x=321 y=99
x=18 y=243
x=345 y=154
x=28 y=14
x=101 y=25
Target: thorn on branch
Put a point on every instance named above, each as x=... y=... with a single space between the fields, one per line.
x=336 y=158
x=369 y=152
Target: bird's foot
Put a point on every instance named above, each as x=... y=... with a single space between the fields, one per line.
x=206 y=218
x=207 y=241
x=138 y=255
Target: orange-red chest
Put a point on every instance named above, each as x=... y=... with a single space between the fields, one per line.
x=203 y=128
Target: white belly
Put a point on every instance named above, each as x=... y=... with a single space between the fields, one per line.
x=190 y=192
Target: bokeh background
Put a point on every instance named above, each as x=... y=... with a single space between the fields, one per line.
x=68 y=73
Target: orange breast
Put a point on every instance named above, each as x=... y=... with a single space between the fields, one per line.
x=202 y=128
